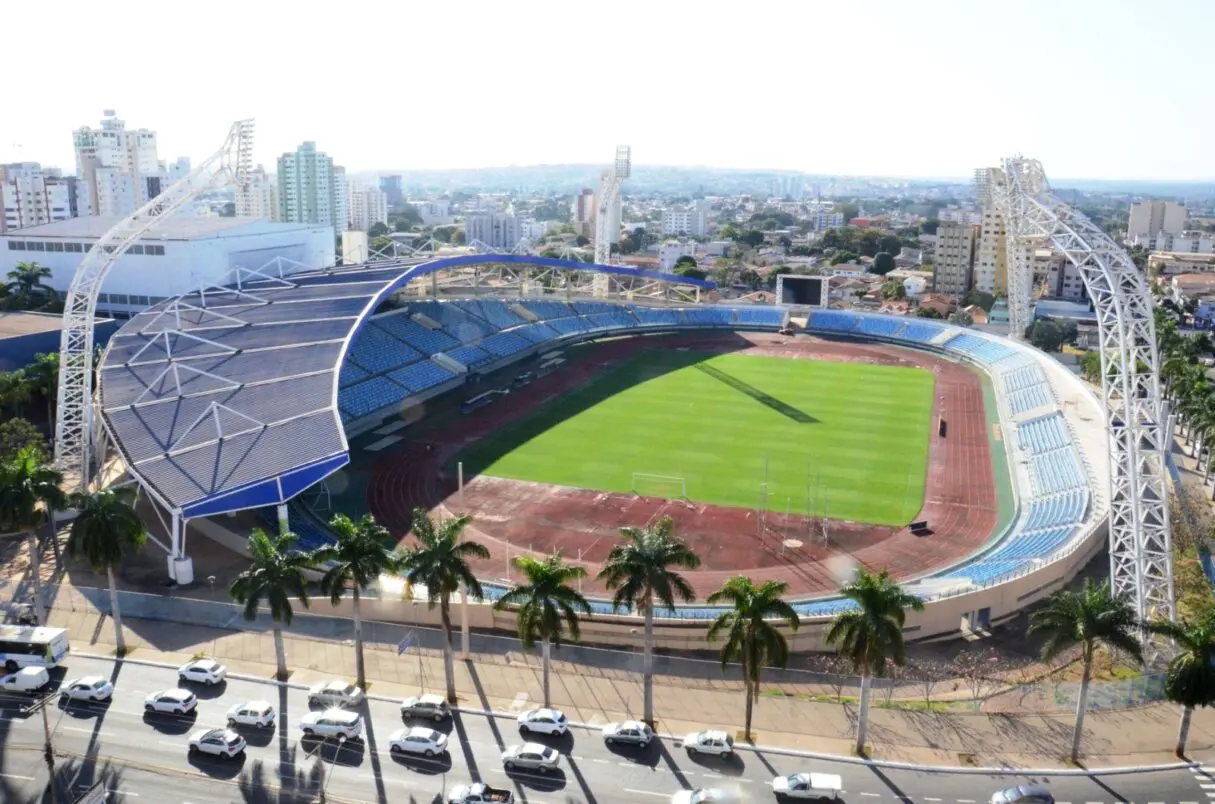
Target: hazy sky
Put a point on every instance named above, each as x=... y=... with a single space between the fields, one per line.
x=1103 y=89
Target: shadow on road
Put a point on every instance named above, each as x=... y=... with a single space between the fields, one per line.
x=75 y=775
x=427 y=766
x=549 y=782
x=217 y=767
x=257 y=785
x=670 y=761
x=332 y=752
x=732 y=765
x=582 y=783
x=171 y=724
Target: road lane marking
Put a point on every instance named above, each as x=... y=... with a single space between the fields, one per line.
x=17 y=776
x=600 y=761
x=872 y=795
x=99 y=733
x=930 y=798
x=966 y=801
x=647 y=792
x=713 y=775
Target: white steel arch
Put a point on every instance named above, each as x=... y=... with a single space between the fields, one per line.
x=605 y=199
x=229 y=166
x=1141 y=564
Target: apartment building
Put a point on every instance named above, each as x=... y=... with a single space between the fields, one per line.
x=311 y=189
x=691 y=220
x=260 y=198
x=117 y=170
x=954 y=262
x=1149 y=219
x=496 y=230
x=368 y=206
x=31 y=196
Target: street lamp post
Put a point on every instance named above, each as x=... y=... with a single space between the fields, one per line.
x=48 y=748
x=329 y=775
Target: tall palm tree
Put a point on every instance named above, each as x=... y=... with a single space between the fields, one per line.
x=29 y=491
x=25 y=284
x=356 y=560
x=640 y=572
x=440 y=563
x=1190 y=676
x=43 y=378
x=870 y=636
x=546 y=605
x=275 y=575
x=15 y=390
x=751 y=634
x=1090 y=618
x=106 y=531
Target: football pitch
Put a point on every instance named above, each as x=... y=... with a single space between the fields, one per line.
x=844 y=440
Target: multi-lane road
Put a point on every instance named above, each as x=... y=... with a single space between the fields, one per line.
x=145 y=760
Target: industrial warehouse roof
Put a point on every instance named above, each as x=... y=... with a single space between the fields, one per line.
x=173 y=227
x=226 y=398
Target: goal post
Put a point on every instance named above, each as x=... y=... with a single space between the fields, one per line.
x=667 y=487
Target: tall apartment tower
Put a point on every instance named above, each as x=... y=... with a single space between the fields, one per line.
x=116 y=170
x=393 y=190
x=31 y=196
x=1151 y=218
x=953 y=265
x=368 y=206
x=496 y=230
x=582 y=212
x=260 y=198
x=991 y=256
x=311 y=189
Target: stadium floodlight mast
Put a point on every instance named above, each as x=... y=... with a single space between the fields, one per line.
x=230 y=166
x=605 y=202
x=1141 y=561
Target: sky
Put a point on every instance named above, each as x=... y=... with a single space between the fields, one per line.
x=1112 y=89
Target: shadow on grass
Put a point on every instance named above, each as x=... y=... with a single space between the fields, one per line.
x=799 y=416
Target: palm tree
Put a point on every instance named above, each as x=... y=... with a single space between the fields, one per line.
x=106 y=531
x=43 y=378
x=275 y=575
x=639 y=571
x=357 y=559
x=751 y=635
x=29 y=491
x=14 y=390
x=546 y=605
x=1091 y=618
x=440 y=563
x=25 y=282
x=871 y=635
x=1190 y=675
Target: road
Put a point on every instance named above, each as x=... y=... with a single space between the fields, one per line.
x=144 y=759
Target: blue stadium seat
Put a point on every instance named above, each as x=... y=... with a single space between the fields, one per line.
x=544 y=310
x=426 y=341
x=586 y=308
x=536 y=333
x=421 y=376
x=456 y=323
x=759 y=316
x=920 y=332
x=658 y=317
x=616 y=319
x=709 y=316
x=504 y=344
x=495 y=312
x=1027 y=399
x=368 y=396
x=965 y=343
x=377 y=351
x=351 y=374
x=834 y=320
x=569 y=326
x=883 y=327
x=470 y=356
x=1044 y=434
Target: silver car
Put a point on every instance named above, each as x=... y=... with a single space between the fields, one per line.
x=1023 y=794
x=531 y=756
x=431 y=707
x=632 y=732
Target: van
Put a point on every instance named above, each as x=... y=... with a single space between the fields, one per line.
x=27 y=679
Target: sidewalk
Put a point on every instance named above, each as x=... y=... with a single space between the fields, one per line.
x=1114 y=738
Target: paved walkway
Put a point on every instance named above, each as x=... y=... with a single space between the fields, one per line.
x=1114 y=738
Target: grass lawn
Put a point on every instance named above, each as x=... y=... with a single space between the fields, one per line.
x=846 y=439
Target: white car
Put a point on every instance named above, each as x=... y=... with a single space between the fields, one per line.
x=202 y=671
x=258 y=714
x=820 y=786
x=217 y=742
x=531 y=756
x=703 y=795
x=332 y=723
x=418 y=740
x=27 y=679
x=177 y=701
x=633 y=732
x=335 y=693
x=89 y=688
x=542 y=721
x=717 y=743
x=434 y=707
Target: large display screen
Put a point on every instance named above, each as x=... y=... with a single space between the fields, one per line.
x=803 y=291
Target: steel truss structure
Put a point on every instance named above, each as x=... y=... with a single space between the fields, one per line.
x=605 y=200
x=1141 y=565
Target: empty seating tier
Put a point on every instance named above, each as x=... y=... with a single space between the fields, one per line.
x=456 y=323
x=965 y=342
x=427 y=341
x=1043 y=434
x=883 y=327
x=920 y=332
x=377 y=351
x=421 y=376
x=834 y=320
x=493 y=311
x=536 y=333
x=504 y=344
x=370 y=395
x=709 y=316
x=659 y=317
x=759 y=316
x=615 y=319
x=470 y=356
x=545 y=310
x=1049 y=512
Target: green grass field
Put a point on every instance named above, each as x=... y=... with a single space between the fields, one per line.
x=845 y=439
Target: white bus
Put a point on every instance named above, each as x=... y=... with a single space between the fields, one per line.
x=30 y=646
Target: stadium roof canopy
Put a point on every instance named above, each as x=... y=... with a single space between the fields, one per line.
x=227 y=398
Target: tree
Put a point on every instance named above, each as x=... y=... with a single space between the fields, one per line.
x=359 y=555
x=581 y=240
x=1190 y=676
x=440 y=563
x=890 y=244
x=458 y=237
x=930 y=226
x=15 y=390
x=872 y=633
x=849 y=211
x=961 y=318
x=690 y=272
x=685 y=260
x=275 y=575
x=751 y=634
x=640 y=572
x=1090 y=618
x=1049 y=335
x=980 y=298
x=785 y=242
x=626 y=245
x=106 y=532
x=378 y=229
x=842 y=257
x=883 y=264
x=927 y=312
x=894 y=289
x=1090 y=365
x=752 y=237
x=25 y=286
x=42 y=377
x=546 y=605
x=16 y=435
x=382 y=245
x=29 y=491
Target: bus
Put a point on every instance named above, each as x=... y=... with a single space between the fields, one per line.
x=32 y=646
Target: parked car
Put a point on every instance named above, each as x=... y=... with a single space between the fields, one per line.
x=335 y=693
x=433 y=707
x=258 y=714
x=630 y=731
x=88 y=688
x=202 y=671
x=531 y=756
x=478 y=793
x=217 y=742
x=717 y=743
x=27 y=679
x=704 y=795
x=332 y=723
x=418 y=740
x=1023 y=794
x=175 y=701
x=820 y=786
x=542 y=721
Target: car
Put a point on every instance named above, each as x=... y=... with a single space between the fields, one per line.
x=1023 y=794
x=818 y=786
x=434 y=707
x=418 y=740
x=175 y=701
x=542 y=721
x=217 y=742
x=703 y=795
x=713 y=742
x=202 y=671
x=332 y=723
x=632 y=732
x=27 y=679
x=335 y=693
x=478 y=793
x=531 y=756
x=258 y=714
x=87 y=688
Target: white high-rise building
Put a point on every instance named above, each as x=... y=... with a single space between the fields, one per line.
x=532 y=230
x=692 y=221
x=311 y=189
x=953 y=265
x=368 y=206
x=1151 y=218
x=260 y=198
x=498 y=230
x=117 y=171
x=31 y=196
x=992 y=260
x=341 y=199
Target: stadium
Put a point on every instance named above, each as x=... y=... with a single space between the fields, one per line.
x=556 y=402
